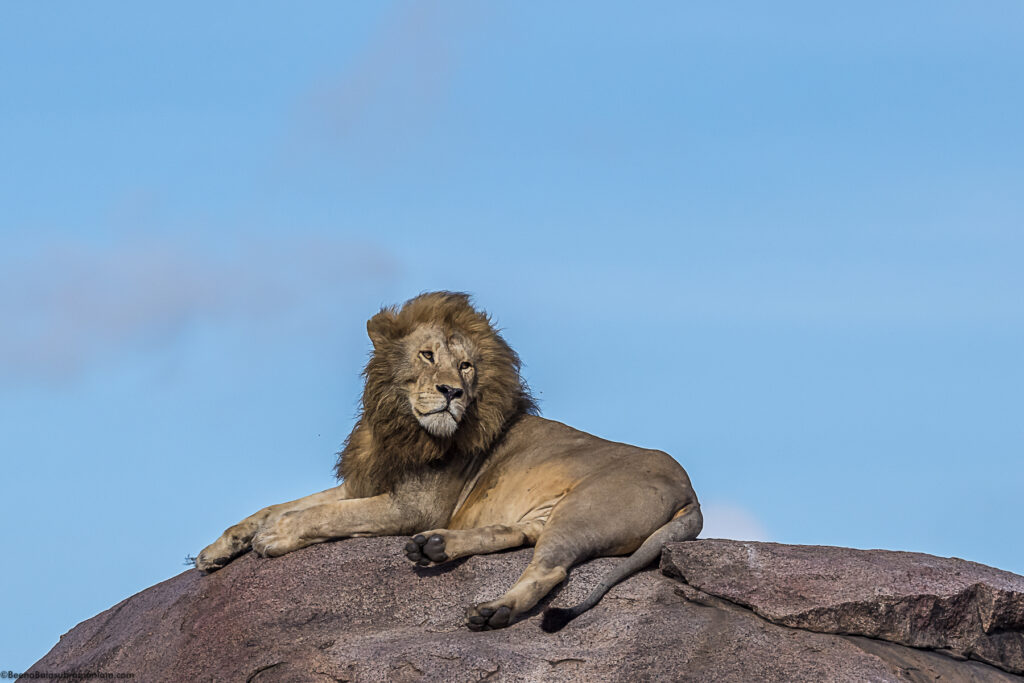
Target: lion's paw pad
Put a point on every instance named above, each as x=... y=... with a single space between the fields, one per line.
x=487 y=618
x=424 y=551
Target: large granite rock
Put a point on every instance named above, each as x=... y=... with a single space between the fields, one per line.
x=355 y=610
x=964 y=608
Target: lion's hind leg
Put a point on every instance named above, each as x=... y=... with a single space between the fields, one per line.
x=556 y=551
x=443 y=545
x=599 y=518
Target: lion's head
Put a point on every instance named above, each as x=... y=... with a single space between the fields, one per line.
x=441 y=381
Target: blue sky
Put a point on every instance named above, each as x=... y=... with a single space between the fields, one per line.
x=782 y=243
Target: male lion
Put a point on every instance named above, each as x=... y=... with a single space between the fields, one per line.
x=449 y=448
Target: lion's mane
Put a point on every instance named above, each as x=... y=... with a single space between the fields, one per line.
x=387 y=442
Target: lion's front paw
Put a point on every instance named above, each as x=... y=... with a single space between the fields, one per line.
x=488 y=616
x=220 y=552
x=281 y=536
x=424 y=550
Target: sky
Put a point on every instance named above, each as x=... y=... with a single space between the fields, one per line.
x=782 y=243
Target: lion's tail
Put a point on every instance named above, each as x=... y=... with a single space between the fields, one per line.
x=685 y=526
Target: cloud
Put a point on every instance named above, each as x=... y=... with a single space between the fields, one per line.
x=726 y=520
x=70 y=304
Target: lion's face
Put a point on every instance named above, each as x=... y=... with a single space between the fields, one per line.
x=441 y=378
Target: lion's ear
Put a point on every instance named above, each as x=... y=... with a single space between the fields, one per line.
x=381 y=328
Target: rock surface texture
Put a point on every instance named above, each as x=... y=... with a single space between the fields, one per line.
x=965 y=609
x=355 y=610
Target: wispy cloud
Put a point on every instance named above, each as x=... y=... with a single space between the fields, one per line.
x=70 y=304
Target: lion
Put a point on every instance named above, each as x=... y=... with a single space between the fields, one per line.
x=449 y=449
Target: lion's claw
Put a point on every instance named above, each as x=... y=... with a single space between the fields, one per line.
x=424 y=551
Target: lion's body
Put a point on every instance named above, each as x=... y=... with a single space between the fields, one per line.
x=542 y=463
x=448 y=448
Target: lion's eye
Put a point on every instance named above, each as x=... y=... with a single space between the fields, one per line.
x=465 y=365
x=427 y=356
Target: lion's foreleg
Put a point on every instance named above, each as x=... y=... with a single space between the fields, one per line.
x=376 y=516
x=442 y=545
x=238 y=538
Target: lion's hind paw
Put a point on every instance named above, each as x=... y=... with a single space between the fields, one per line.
x=480 y=618
x=426 y=550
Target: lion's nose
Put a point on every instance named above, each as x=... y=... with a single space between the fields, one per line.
x=450 y=393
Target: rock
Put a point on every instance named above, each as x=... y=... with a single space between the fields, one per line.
x=967 y=609
x=355 y=610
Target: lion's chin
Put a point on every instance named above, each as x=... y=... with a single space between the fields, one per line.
x=441 y=424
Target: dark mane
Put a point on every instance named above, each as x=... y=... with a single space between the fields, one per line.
x=387 y=442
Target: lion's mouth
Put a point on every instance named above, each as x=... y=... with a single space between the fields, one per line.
x=443 y=409
x=440 y=421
